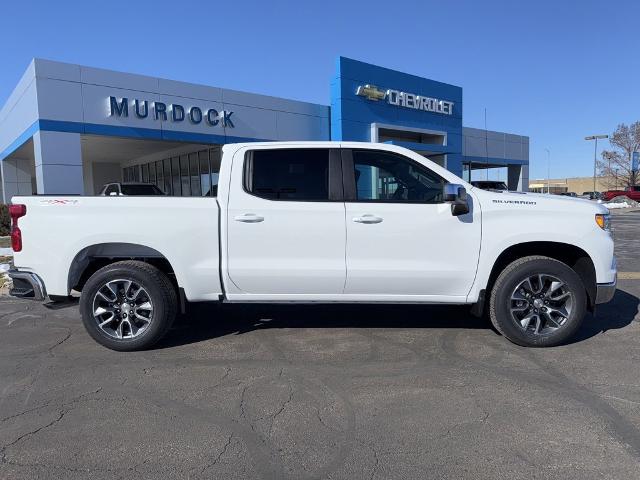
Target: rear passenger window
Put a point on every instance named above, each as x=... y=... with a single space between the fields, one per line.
x=288 y=174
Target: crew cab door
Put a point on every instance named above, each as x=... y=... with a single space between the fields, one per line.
x=402 y=239
x=285 y=224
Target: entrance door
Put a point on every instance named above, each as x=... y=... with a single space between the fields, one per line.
x=402 y=239
x=286 y=229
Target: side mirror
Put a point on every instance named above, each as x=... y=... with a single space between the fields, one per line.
x=456 y=195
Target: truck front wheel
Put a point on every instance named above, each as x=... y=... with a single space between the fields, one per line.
x=128 y=305
x=537 y=301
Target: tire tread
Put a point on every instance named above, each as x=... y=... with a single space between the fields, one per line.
x=169 y=299
x=497 y=287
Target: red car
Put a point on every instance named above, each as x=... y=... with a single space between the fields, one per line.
x=632 y=192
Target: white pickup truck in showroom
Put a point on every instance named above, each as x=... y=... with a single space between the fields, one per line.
x=318 y=222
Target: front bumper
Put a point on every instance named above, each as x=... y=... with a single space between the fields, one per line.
x=27 y=285
x=606 y=291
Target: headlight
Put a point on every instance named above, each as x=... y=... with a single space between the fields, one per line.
x=604 y=221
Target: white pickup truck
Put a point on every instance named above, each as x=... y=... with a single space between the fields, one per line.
x=318 y=222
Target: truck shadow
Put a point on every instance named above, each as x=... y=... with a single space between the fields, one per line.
x=205 y=321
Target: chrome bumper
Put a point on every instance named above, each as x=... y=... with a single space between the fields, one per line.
x=605 y=291
x=27 y=285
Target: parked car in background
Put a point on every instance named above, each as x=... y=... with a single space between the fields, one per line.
x=592 y=195
x=303 y=222
x=569 y=194
x=632 y=192
x=490 y=185
x=130 y=189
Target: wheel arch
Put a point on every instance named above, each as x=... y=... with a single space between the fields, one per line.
x=92 y=258
x=571 y=255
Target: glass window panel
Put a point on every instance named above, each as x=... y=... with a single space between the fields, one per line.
x=145 y=172
x=195 y=177
x=111 y=189
x=290 y=174
x=160 y=176
x=152 y=172
x=215 y=158
x=205 y=179
x=168 y=186
x=185 y=182
x=389 y=177
x=175 y=176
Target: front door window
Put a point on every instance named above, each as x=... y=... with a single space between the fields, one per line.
x=388 y=177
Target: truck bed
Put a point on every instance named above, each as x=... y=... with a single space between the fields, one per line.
x=184 y=231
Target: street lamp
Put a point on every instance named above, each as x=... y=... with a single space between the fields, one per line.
x=548 y=170
x=595 y=155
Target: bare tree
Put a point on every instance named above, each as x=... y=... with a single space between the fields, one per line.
x=617 y=162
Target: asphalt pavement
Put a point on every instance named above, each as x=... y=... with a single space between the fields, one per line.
x=335 y=392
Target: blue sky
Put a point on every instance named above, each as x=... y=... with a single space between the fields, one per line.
x=553 y=70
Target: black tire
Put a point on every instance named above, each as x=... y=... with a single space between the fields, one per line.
x=159 y=289
x=500 y=302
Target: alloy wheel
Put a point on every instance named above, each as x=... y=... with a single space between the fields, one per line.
x=541 y=304
x=122 y=309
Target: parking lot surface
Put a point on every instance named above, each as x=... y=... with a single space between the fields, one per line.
x=336 y=392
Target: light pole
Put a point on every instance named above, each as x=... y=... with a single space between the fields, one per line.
x=595 y=155
x=548 y=170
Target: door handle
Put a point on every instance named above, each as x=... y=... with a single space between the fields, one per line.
x=249 y=218
x=367 y=218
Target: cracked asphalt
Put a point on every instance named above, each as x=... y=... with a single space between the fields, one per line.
x=324 y=392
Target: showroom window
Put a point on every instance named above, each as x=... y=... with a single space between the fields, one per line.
x=388 y=177
x=190 y=175
x=288 y=174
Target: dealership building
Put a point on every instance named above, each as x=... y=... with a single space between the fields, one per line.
x=70 y=129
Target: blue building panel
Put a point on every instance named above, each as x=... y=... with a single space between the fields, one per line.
x=353 y=114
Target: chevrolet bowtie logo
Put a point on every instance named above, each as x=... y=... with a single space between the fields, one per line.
x=371 y=92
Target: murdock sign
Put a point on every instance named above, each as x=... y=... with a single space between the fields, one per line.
x=406 y=100
x=172 y=112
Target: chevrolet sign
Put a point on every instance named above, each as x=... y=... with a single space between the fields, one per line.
x=406 y=100
x=371 y=92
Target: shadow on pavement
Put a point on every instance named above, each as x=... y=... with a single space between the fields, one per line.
x=207 y=321
x=616 y=314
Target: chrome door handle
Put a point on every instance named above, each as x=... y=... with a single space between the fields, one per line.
x=367 y=218
x=249 y=218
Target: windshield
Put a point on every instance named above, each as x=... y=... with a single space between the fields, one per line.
x=490 y=185
x=141 y=190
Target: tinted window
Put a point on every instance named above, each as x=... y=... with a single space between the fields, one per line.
x=291 y=174
x=111 y=189
x=141 y=190
x=388 y=177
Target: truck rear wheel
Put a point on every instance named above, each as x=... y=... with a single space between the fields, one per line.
x=537 y=301
x=128 y=305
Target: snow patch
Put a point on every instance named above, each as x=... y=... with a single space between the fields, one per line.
x=612 y=205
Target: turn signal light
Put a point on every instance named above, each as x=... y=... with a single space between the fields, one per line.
x=603 y=221
x=16 y=211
